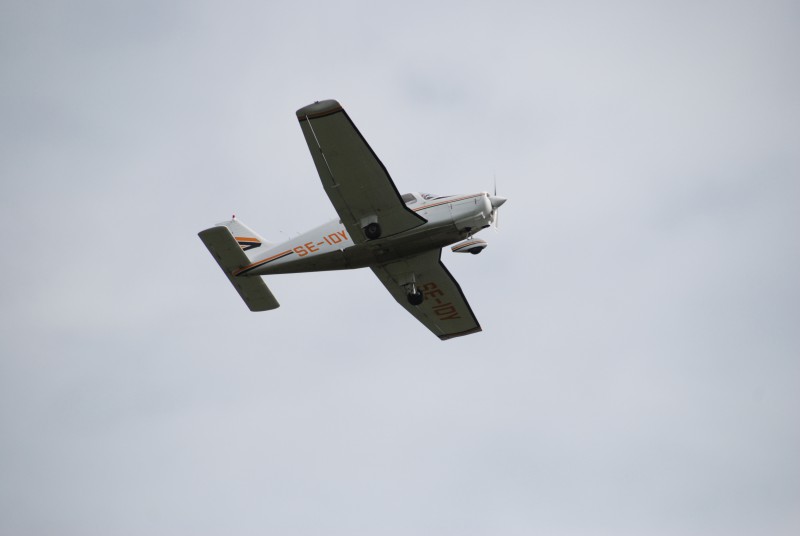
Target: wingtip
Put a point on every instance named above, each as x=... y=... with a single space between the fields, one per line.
x=319 y=109
x=449 y=336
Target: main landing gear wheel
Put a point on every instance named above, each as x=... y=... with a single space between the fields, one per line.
x=372 y=231
x=416 y=298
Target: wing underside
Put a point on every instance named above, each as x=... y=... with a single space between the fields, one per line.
x=444 y=310
x=355 y=180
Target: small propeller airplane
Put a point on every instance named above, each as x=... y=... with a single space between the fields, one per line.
x=399 y=237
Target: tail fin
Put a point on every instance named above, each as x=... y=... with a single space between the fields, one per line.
x=230 y=256
x=248 y=239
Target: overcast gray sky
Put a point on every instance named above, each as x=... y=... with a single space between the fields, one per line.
x=639 y=369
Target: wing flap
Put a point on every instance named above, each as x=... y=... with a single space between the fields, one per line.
x=444 y=310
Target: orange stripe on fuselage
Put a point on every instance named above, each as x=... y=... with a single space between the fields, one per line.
x=263 y=261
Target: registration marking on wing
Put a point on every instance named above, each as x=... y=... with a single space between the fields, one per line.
x=443 y=310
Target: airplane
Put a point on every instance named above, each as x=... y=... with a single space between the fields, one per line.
x=399 y=237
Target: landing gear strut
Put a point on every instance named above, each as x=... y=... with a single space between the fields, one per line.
x=415 y=295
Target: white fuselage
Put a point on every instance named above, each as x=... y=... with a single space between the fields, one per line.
x=330 y=246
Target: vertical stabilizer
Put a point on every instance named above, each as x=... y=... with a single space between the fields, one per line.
x=250 y=241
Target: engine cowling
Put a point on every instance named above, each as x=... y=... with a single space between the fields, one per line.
x=471 y=245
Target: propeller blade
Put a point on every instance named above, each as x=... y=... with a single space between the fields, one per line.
x=496 y=202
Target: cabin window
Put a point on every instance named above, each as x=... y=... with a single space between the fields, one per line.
x=409 y=199
x=431 y=197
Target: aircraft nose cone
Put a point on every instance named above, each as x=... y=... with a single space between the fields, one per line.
x=497 y=201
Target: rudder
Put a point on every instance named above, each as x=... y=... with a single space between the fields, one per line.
x=248 y=239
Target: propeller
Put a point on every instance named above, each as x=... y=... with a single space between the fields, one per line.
x=496 y=202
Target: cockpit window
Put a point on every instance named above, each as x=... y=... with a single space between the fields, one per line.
x=410 y=199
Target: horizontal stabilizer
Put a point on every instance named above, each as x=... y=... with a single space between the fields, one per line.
x=230 y=257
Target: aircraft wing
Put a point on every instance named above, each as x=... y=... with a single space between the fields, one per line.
x=355 y=180
x=445 y=310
